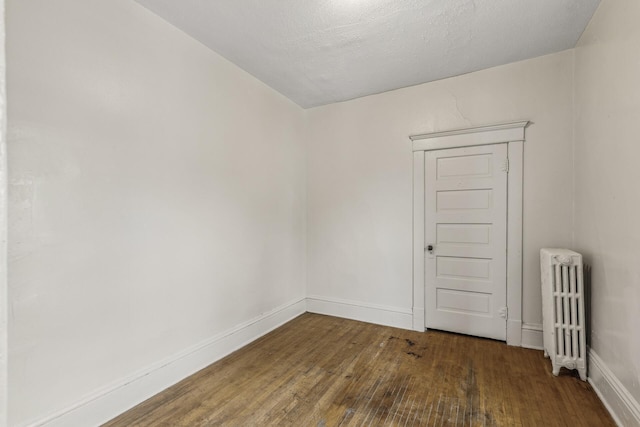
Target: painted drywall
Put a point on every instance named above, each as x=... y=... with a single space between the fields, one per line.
x=359 y=214
x=4 y=179
x=157 y=197
x=607 y=203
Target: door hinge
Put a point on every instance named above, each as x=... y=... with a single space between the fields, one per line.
x=505 y=166
x=503 y=312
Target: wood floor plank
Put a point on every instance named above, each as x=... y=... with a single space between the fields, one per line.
x=323 y=371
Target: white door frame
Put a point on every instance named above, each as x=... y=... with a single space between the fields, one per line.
x=513 y=135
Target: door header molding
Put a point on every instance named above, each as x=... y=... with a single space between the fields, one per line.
x=467 y=137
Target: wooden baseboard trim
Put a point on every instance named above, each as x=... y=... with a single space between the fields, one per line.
x=354 y=310
x=622 y=406
x=532 y=336
x=116 y=398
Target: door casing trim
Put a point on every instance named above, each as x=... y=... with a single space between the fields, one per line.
x=513 y=134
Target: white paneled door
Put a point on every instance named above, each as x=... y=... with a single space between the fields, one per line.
x=466 y=240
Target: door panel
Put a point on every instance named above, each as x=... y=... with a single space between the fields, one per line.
x=465 y=303
x=459 y=200
x=463 y=234
x=463 y=268
x=465 y=221
x=466 y=166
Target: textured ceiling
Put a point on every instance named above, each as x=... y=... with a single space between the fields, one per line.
x=317 y=52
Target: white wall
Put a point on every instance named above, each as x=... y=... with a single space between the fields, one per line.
x=607 y=208
x=359 y=211
x=3 y=224
x=157 y=197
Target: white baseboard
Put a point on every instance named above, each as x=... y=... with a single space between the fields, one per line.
x=532 y=336
x=622 y=406
x=371 y=313
x=110 y=401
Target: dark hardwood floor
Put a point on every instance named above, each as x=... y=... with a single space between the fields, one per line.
x=324 y=371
